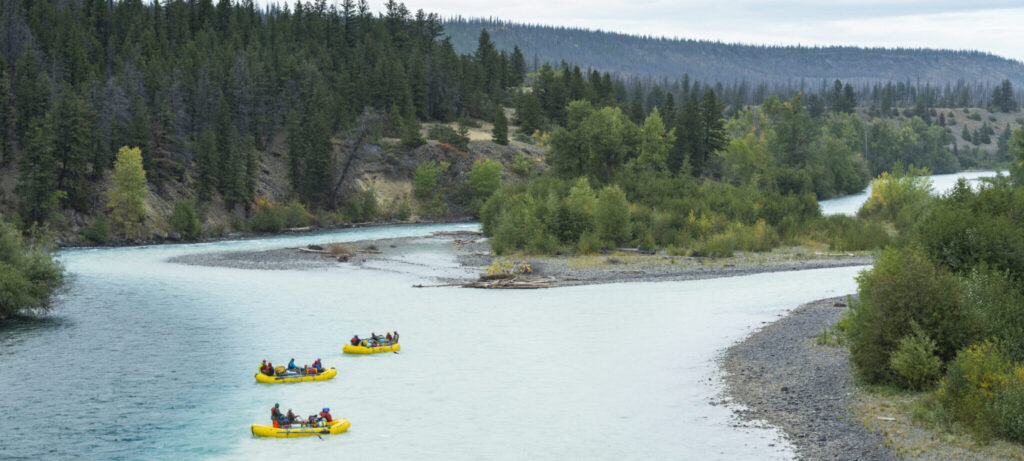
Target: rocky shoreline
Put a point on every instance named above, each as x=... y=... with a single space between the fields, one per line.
x=780 y=375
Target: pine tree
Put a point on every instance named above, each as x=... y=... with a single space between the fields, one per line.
x=73 y=146
x=529 y=114
x=31 y=91
x=207 y=165
x=37 y=179
x=6 y=114
x=500 y=133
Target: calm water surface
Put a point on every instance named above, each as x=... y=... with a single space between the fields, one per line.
x=149 y=359
x=941 y=183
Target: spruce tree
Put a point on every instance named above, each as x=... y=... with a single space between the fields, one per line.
x=529 y=114
x=73 y=147
x=31 y=91
x=6 y=114
x=37 y=179
x=500 y=132
x=207 y=162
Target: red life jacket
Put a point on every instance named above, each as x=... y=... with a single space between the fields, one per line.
x=325 y=415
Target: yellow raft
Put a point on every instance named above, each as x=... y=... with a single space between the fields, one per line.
x=296 y=378
x=350 y=349
x=334 y=427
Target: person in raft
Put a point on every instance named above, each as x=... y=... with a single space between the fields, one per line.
x=263 y=366
x=270 y=369
x=388 y=337
x=291 y=366
x=318 y=366
x=326 y=415
x=292 y=419
x=395 y=336
x=355 y=340
x=275 y=415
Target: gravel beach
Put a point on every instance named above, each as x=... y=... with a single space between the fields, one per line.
x=781 y=376
x=472 y=252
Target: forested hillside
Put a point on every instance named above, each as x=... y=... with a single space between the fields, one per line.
x=709 y=61
x=203 y=89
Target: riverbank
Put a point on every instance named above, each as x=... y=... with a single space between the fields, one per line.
x=472 y=254
x=783 y=376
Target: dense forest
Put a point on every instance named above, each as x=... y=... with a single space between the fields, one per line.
x=659 y=57
x=198 y=87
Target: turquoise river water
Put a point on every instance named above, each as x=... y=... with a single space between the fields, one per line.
x=147 y=359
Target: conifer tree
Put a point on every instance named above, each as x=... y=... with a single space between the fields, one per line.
x=207 y=162
x=31 y=91
x=6 y=114
x=37 y=179
x=500 y=132
x=529 y=114
x=73 y=146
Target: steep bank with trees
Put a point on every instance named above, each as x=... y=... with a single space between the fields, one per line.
x=214 y=96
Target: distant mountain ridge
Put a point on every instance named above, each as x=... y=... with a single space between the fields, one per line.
x=630 y=55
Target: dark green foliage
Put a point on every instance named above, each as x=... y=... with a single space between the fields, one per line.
x=1003 y=98
x=29 y=274
x=37 y=179
x=362 y=207
x=185 y=220
x=903 y=288
x=411 y=137
x=73 y=147
x=98 y=230
x=500 y=132
x=845 y=233
x=447 y=135
x=426 y=187
x=983 y=390
x=528 y=114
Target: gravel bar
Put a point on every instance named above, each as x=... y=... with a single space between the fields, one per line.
x=781 y=376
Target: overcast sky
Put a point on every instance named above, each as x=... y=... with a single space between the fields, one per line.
x=996 y=26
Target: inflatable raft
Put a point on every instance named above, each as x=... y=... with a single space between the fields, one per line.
x=295 y=377
x=350 y=349
x=334 y=427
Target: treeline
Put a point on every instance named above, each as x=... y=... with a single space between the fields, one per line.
x=942 y=309
x=199 y=87
x=777 y=67
x=688 y=183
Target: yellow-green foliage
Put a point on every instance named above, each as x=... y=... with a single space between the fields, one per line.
x=892 y=193
x=984 y=390
x=503 y=267
x=127 y=199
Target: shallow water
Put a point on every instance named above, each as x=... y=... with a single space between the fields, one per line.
x=155 y=360
x=941 y=183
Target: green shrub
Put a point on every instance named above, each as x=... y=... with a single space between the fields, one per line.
x=612 y=216
x=980 y=389
x=589 y=244
x=915 y=362
x=903 y=288
x=268 y=218
x=523 y=166
x=296 y=215
x=974 y=116
x=29 y=274
x=362 y=207
x=481 y=181
x=448 y=135
x=98 y=231
x=185 y=220
x=403 y=211
x=890 y=193
x=846 y=233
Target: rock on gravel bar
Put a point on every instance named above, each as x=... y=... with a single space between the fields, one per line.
x=781 y=376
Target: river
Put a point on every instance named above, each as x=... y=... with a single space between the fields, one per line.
x=941 y=183
x=143 y=358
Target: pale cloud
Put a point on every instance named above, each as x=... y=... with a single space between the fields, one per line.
x=993 y=26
